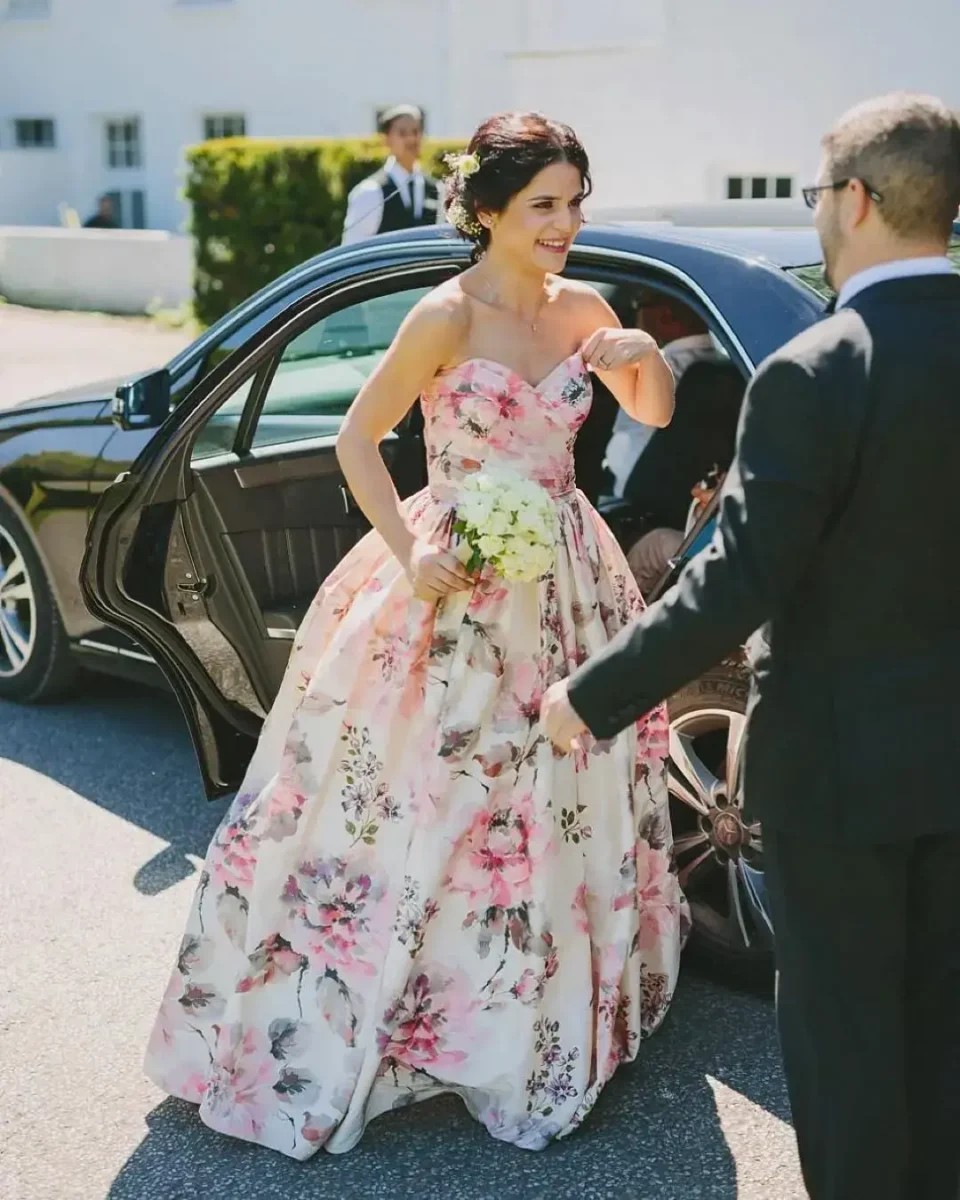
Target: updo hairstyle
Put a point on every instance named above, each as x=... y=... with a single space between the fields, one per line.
x=505 y=154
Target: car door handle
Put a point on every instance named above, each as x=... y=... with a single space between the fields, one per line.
x=350 y=506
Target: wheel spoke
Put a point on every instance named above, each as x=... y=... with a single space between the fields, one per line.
x=754 y=890
x=13 y=568
x=15 y=591
x=736 y=907
x=678 y=788
x=738 y=723
x=17 y=608
x=688 y=869
x=692 y=771
x=688 y=841
x=13 y=643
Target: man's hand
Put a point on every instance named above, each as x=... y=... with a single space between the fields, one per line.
x=559 y=718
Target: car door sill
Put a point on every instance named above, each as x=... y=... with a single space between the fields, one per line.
x=106 y=648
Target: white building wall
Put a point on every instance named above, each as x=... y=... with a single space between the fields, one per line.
x=670 y=96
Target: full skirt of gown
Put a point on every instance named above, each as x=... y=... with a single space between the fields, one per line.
x=413 y=893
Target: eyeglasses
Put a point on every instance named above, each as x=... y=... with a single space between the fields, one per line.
x=811 y=195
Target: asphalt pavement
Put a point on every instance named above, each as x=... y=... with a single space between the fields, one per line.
x=102 y=829
x=43 y=351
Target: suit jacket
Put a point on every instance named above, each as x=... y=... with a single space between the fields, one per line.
x=837 y=540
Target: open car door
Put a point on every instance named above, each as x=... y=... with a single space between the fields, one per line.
x=210 y=550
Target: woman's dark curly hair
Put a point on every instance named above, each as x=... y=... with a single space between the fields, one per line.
x=512 y=149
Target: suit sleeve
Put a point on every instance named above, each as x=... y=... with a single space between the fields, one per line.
x=794 y=459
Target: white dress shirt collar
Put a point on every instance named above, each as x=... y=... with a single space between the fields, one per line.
x=403 y=179
x=901 y=268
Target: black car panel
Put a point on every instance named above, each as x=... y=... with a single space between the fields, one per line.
x=45 y=458
x=237 y=503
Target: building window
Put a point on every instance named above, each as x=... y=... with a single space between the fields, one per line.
x=31 y=133
x=26 y=9
x=129 y=209
x=759 y=187
x=123 y=143
x=224 y=125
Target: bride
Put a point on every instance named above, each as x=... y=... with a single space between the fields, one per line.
x=412 y=893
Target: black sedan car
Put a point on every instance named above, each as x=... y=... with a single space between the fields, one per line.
x=211 y=505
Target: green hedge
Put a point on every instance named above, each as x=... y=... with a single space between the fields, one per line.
x=260 y=207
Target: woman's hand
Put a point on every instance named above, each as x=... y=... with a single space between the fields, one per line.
x=611 y=348
x=435 y=573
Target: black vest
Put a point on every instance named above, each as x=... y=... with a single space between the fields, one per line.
x=396 y=215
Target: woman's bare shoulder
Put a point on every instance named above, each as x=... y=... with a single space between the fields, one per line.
x=581 y=305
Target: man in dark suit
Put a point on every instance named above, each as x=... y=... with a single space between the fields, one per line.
x=838 y=535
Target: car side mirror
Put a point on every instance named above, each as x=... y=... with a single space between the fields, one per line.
x=143 y=403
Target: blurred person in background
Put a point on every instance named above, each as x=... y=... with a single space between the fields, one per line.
x=400 y=195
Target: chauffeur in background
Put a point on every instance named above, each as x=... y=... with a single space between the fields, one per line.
x=400 y=195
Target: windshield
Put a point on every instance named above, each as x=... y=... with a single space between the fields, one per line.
x=812 y=276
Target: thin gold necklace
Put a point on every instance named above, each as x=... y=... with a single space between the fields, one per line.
x=495 y=302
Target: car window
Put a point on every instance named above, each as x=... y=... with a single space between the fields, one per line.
x=320 y=372
x=219 y=433
x=317 y=376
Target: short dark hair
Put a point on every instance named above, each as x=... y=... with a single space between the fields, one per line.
x=511 y=149
x=395 y=112
x=907 y=148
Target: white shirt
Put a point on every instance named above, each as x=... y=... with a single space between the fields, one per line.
x=365 y=202
x=630 y=437
x=902 y=268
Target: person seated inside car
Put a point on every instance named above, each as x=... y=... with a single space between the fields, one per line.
x=649 y=556
x=655 y=472
x=684 y=339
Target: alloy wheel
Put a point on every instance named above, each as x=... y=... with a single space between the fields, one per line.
x=719 y=854
x=18 y=608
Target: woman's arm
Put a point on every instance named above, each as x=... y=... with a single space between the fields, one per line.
x=628 y=361
x=425 y=342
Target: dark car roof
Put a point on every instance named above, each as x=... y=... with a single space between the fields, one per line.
x=695 y=250
x=782 y=247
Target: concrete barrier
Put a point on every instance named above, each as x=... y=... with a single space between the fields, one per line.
x=95 y=270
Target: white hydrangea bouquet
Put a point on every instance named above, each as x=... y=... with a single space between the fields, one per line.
x=506 y=521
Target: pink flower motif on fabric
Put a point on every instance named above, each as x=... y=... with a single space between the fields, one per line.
x=241 y=1073
x=337 y=907
x=422 y=1028
x=495 y=860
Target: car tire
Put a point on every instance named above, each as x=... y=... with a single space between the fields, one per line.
x=719 y=856
x=35 y=659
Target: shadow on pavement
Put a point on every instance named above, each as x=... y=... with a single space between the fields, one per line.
x=655 y=1134
x=126 y=749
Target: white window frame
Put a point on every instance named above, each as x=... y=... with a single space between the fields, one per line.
x=31 y=144
x=748 y=178
x=26 y=10
x=218 y=125
x=131 y=158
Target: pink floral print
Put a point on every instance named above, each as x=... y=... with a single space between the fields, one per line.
x=412 y=892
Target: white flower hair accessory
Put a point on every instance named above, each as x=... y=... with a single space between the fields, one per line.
x=463 y=165
x=460 y=219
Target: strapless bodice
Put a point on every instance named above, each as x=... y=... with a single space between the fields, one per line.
x=481 y=413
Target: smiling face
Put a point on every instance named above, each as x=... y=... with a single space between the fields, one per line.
x=540 y=222
x=404 y=138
